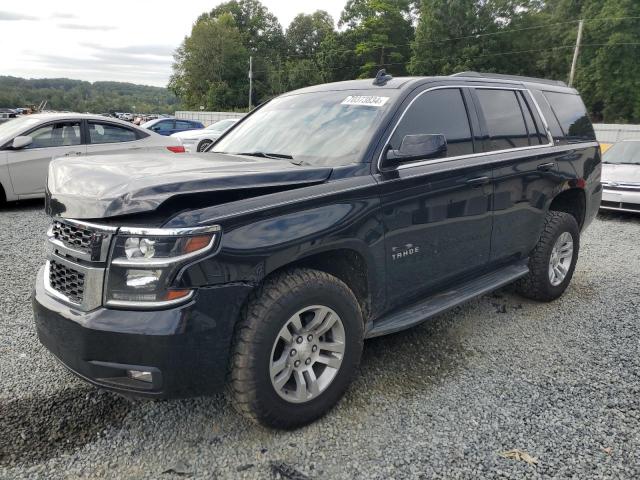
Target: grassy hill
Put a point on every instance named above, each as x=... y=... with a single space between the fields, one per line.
x=81 y=96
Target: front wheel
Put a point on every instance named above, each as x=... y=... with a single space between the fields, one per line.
x=553 y=260
x=296 y=350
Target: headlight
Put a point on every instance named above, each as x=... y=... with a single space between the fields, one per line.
x=144 y=263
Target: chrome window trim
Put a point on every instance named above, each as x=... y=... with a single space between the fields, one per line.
x=471 y=155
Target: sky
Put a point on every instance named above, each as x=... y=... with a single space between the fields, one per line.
x=118 y=40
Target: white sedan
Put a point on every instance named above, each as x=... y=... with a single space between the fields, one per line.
x=27 y=145
x=199 y=140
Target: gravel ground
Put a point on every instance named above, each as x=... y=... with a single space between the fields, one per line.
x=558 y=381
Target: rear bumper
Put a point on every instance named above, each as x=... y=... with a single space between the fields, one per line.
x=185 y=348
x=621 y=200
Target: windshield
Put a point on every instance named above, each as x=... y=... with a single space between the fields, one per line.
x=624 y=153
x=320 y=128
x=13 y=127
x=221 y=126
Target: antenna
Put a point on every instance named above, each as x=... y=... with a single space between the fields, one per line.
x=382 y=78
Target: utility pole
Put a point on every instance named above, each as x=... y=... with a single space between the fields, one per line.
x=250 y=81
x=575 y=53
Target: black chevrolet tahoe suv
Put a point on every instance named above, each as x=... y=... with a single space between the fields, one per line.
x=326 y=216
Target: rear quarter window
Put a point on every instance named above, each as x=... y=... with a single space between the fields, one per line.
x=572 y=116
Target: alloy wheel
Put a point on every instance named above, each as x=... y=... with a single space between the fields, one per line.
x=307 y=354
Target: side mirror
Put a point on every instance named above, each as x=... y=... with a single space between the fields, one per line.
x=417 y=147
x=21 y=142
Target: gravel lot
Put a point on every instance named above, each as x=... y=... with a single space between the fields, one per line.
x=558 y=381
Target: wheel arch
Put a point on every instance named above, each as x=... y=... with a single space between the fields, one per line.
x=572 y=201
x=347 y=264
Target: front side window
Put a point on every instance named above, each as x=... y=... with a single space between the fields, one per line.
x=109 y=133
x=503 y=116
x=317 y=128
x=60 y=134
x=572 y=115
x=438 y=112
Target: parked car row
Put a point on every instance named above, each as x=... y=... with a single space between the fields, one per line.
x=27 y=145
x=200 y=140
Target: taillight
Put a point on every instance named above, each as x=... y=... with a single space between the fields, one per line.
x=176 y=149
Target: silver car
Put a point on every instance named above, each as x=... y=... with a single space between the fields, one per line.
x=27 y=145
x=199 y=140
x=621 y=177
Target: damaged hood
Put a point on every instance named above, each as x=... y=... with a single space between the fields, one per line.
x=112 y=185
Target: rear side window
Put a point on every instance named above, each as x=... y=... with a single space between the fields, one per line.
x=505 y=122
x=438 y=112
x=183 y=124
x=572 y=116
x=109 y=133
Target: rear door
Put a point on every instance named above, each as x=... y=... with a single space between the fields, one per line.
x=524 y=179
x=29 y=166
x=436 y=212
x=103 y=137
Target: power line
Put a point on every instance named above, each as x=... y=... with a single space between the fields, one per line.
x=495 y=54
x=451 y=39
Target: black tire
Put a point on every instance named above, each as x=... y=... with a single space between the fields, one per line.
x=268 y=310
x=203 y=145
x=537 y=284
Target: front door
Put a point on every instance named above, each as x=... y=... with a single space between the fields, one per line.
x=436 y=212
x=29 y=166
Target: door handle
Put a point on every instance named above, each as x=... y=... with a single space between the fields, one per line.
x=478 y=181
x=545 y=167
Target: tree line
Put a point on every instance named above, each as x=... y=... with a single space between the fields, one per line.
x=81 y=96
x=427 y=37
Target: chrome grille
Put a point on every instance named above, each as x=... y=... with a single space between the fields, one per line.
x=73 y=236
x=66 y=281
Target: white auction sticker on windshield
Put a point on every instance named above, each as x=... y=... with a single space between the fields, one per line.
x=365 y=100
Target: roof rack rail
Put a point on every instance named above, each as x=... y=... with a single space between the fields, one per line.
x=517 y=78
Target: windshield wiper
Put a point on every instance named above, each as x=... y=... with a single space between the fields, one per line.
x=266 y=155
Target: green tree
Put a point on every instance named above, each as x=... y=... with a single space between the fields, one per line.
x=209 y=66
x=383 y=32
x=307 y=32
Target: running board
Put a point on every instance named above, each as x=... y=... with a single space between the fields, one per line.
x=427 y=308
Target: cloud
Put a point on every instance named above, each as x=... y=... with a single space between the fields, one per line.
x=158 y=50
x=76 y=26
x=63 y=15
x=112 y=65
x=11 y=16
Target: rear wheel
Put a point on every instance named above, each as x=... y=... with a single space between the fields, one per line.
x=203 y=145
x=296 y=349
x=553 y=260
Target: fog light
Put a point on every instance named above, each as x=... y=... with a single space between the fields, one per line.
x=140 y=375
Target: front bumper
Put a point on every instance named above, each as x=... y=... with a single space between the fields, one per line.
x=186 y=348
x=621 y=200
